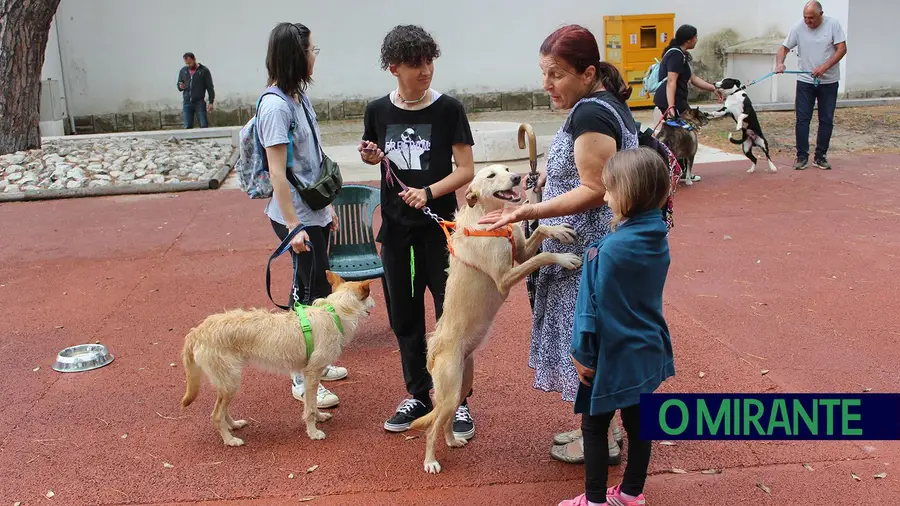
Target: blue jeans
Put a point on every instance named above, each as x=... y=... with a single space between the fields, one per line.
x=188 y=109
x=806 y=98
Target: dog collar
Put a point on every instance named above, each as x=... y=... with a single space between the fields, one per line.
x=306 y=326
x=471 y=232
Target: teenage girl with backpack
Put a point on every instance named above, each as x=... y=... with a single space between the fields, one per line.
x=290 y=61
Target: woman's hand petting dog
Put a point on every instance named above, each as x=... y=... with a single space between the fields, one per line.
x=414 y=197
x=370 y=152
x=585 y=375
x=502 y=217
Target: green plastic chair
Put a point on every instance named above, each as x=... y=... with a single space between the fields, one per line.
x=352 y=253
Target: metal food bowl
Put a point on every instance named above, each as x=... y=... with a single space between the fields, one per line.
x=83 y=357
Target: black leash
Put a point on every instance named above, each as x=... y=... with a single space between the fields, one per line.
x=283 y=248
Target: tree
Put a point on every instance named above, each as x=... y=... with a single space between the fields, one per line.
x=24 y=31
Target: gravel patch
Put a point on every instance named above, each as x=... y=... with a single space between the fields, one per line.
x=114 y=161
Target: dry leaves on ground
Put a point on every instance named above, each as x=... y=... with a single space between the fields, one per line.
x=764 y=488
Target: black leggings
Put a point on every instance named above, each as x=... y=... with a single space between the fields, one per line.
x=319 y=237
x=596 y=454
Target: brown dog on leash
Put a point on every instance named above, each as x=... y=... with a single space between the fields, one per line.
x=683 y=142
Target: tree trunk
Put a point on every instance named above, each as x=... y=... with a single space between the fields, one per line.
x=24 y=30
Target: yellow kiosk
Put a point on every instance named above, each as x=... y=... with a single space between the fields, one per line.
x=633 y=43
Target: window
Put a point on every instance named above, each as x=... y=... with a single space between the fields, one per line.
x=648 y=37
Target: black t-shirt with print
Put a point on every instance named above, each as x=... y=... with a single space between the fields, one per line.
x=419 y=146
x=593 y=117
x=673 y=61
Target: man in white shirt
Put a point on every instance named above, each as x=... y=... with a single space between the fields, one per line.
x=821 y=44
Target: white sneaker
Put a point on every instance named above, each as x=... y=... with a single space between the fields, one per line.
x=324 y=398
x=334 y=373
x=615 y=453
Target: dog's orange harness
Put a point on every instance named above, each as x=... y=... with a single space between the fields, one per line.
x=469 y=232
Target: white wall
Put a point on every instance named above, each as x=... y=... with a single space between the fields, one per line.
x=870 y=66
x=124 y=55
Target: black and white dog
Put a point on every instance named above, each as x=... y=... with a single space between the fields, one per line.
x=740 y=109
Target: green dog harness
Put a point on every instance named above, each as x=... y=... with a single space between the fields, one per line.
x=306 y=326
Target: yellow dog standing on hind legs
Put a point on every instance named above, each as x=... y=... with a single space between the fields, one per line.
x=223 y=344
x=482 y=271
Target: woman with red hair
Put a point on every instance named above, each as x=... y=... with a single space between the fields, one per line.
x=599 y=125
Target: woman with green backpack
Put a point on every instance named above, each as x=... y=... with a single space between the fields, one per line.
x=287 y=129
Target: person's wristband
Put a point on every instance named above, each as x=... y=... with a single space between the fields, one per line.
x=428 y=194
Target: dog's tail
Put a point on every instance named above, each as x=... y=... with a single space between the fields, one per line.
x=192 y=372
x=739 y=141
x=424 y=422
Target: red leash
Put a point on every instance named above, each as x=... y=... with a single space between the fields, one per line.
x=663 y=118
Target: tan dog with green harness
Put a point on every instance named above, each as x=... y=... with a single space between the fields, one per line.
x=305 y=340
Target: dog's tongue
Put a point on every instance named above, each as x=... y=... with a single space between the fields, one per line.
x=509 y=193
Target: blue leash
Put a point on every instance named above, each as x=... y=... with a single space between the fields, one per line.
x=816 y=80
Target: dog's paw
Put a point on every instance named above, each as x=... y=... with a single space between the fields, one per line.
x=238 y=424
x=456 y=443
x=752 y=169
x=772 y=167
x=562 y=233
x=569 y=260
x=323 y=417
x=432 y=467
x=316 y=435
x=234 y=442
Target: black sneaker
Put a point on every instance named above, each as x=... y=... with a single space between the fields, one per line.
x=463 y=424
x=822 y=163
x=407 y=412
x=801 y=163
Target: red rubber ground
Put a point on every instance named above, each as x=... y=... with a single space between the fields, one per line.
x=795 y=273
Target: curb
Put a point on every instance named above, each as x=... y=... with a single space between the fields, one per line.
x=106 y=191
x=841 y=103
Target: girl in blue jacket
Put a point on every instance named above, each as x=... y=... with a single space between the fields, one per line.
x=620 y=340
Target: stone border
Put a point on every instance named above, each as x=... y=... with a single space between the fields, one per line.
x=128 y=189
x=326 y=110
x=337 y=110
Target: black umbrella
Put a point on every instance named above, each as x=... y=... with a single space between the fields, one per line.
x=532 y=194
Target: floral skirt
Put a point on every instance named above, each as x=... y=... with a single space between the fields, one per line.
x=551 y=333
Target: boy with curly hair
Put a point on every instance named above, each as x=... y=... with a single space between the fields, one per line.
x=420 y=132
